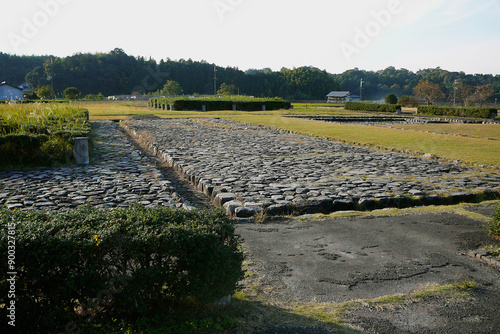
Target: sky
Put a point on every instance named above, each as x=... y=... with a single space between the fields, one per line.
x=332 y=35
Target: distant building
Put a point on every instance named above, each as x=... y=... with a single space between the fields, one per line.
x=10 y=92
x=25 y=87
x=342 y=97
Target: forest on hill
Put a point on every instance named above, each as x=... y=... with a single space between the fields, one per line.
x=116 y=73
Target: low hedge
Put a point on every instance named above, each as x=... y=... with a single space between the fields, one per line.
x=85 y=264
x=214 y=103
x=372 y=107
x=473 y=112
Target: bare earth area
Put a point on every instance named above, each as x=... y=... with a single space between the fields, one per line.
x=338 y=260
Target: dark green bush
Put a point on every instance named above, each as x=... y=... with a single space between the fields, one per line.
x=22 y=150
x=473 y=112
x=372 y=107
x=391 y=99
x=119 y=263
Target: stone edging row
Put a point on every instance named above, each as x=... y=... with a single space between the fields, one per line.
x=221 y=197
x=486 y=257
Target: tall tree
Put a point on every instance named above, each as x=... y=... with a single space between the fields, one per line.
x=483 y=93
x=172 y=88
x=461 y=92
x=428 y=92
x=227 y=89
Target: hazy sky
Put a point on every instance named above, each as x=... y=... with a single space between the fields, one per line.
x=457 y=35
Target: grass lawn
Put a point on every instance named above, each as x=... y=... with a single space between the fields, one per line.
x=473 y=130
x=439 y=141
x=474 y=150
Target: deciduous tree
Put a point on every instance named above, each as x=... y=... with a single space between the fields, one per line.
x=227 y=89
x=428 y=92
x=45 y=92
x=172 y=88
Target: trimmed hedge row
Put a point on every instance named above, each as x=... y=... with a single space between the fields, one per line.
x=473 y=112
x=213 y=104
x=372 y=107
x=135 y=262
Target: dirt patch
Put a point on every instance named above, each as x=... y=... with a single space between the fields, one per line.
x=485 y=210
x=477 y=314
x=338 y=260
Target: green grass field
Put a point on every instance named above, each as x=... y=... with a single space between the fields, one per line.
x=440 y=140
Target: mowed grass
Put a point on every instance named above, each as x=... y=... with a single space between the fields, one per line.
x=470 y=150
x=473 y=130
x=443 y=145
x=117 y=110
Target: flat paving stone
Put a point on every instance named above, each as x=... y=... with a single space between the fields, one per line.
x=272 y=165
x=119 y=174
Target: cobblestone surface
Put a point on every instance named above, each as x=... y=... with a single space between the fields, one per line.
x=119 y=175
x=248 y=168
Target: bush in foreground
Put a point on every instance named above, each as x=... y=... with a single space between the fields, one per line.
x=76 y=267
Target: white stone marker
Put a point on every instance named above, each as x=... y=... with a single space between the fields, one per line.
x=81 y=150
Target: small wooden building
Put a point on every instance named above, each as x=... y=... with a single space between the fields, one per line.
x=342 y=97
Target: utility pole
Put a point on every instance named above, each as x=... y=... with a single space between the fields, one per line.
x=455 y=88
x=361 y=89
x=50 y=77
x=215 y=80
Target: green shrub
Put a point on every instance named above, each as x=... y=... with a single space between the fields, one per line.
x=40 y=135
x=130 y=263
x=22 y=150
x=391 y=99
x=493 y=226
x=473 y=112
x=372 y=107
x=56 y=149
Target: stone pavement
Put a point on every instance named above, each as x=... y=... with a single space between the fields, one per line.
x=120 y=175
x=249 y=168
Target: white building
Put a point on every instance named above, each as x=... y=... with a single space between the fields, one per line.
x=10 y=92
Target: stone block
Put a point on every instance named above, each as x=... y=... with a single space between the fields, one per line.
x=222 y=198
x=247 y=212
x=231 y=206
x=279 y=210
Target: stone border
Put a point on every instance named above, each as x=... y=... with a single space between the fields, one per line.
x=486 y=257
x=221 y=197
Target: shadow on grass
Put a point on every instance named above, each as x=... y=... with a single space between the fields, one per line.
x=260 y=317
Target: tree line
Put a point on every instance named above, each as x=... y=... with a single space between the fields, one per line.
x=116 y=73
